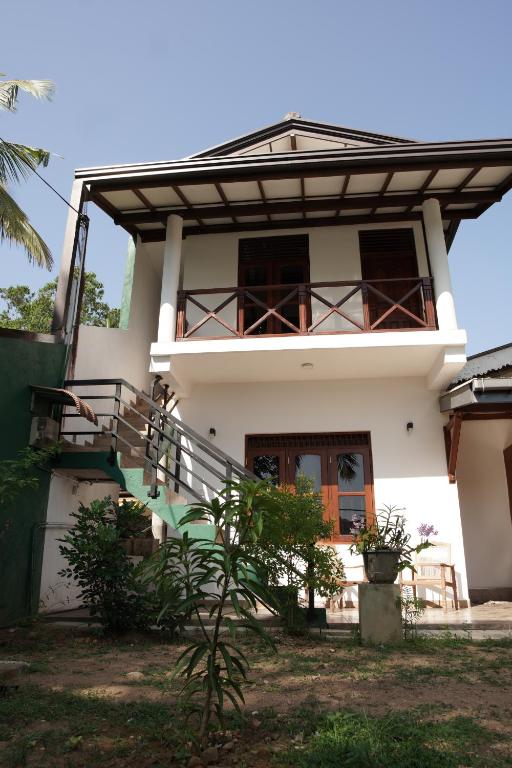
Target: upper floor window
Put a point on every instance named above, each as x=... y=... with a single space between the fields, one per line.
x=268 y=265
x=388 y=260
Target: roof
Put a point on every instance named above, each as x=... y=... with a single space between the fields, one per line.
x=484 y=363
x=300 y=173
x=294 y=132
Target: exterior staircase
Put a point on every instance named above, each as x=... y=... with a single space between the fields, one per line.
x=151 y=454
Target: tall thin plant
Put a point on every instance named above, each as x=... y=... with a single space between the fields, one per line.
x=222 y=575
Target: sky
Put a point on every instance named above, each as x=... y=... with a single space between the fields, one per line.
x=159 y=80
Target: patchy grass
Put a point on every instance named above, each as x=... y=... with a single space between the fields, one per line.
x=430 y=702
x=413 y=739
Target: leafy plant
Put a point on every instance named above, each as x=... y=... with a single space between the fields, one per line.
x=412 y=609
x=17 y=162
x=388 y=532
x=222 y=574
x=33 y=311
x=108 y=578
x=22 y=472
x=169 y=573
x=293 y=524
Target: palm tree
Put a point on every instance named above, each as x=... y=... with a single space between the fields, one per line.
x=17 y=162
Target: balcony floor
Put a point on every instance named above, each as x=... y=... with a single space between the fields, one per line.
x=333 y=356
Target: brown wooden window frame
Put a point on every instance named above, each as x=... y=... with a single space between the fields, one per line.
x=279 y=254
x=328 y=445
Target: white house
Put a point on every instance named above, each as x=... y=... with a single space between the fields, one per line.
x=292 y=289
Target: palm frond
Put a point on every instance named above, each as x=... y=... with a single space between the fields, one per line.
x=16 y=228
x=9 y=90
x=18 y=161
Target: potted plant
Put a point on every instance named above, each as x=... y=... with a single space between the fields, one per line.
x=385 y=545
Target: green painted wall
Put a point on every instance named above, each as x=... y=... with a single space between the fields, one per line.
x=126 y=299
x=22 y=362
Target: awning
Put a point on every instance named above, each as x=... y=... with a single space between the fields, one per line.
x=65 y=397
x=476 y=400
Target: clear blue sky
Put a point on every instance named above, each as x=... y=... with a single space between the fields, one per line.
x=161 y=79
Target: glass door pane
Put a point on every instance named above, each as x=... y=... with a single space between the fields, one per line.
x=351 y=488
x=309 y=465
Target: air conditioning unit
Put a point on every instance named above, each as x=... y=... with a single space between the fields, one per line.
x=43 y=431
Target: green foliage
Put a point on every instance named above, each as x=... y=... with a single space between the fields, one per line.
x=397 y=740
x=412 y=609
x=108 y=579
x=21 y=473
x=33 y=311
x=293 y=524
x=387 y=531
x=220 y=575
x=169 y=572
x=17 y=162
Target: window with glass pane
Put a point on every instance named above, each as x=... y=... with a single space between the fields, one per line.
x=310 y=466
x=266 y=467
x=350 y=471
x=351 y=508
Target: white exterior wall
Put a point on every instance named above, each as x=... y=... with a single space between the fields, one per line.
x=486 y=520
x=409 y=468
x=211 y=261
x=116 y=353
x=66 y=494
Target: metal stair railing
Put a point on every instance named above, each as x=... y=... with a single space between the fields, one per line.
x=171 y=449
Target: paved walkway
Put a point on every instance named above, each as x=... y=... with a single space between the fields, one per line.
x=493 y=619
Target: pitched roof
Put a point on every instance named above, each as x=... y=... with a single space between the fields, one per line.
x=294 y=132
x=483 y=363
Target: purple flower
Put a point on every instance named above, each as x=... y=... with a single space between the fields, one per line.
x=427 y=529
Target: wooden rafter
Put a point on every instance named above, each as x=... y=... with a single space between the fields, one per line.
x=224 y=199
x=383 y=189
x=360 y=202
x=186 y=202
x=343 y=192
x=426 y=184
x=332 y=221
x=263 y=196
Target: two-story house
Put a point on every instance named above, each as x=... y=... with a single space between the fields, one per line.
x=291 y=289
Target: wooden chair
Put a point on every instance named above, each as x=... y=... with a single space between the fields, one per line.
x=434 y=570
x=358 y=578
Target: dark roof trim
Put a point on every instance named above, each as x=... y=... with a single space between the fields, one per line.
x=479 y=391
x=311 y=126
x=490 y=351
x=470 y=151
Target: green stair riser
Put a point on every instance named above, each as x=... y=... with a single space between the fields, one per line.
x=132 y=480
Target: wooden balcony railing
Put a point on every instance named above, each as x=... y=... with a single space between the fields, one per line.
x=359 y=306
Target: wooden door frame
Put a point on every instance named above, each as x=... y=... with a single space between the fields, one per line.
x=507 y=458
x=272 y=263
x=330 y=497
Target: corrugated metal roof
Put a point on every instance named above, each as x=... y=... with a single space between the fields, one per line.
x=489 y=361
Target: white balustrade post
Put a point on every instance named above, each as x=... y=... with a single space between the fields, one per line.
x=170 y=279
x=436 y=244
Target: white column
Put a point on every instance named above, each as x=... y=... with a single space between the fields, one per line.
x=170 y=279
x=438 y=255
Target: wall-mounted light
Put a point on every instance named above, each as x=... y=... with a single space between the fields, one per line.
x=409 y=427
x=212 y=433
x=307 y=366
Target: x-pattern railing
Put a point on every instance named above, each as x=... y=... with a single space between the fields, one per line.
x=414 y=305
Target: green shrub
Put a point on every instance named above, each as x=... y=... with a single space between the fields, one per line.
x=109 y=580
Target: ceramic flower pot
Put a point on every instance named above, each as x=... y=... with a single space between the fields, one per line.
x=381 y=565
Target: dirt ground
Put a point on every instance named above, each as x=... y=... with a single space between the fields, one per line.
x=71 y=707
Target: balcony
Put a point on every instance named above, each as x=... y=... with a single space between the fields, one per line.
x=359 y=306
x=351 y=329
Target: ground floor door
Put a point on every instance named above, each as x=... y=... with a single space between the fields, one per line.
x=338 y=464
